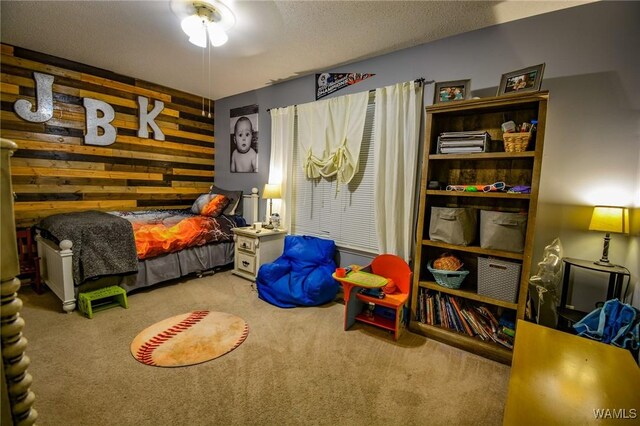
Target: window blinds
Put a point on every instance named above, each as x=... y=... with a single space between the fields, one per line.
x=345 y=216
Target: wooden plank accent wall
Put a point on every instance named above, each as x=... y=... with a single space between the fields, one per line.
x=53 y=171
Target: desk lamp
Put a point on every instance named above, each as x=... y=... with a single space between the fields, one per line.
x=271 y=191
x=609 y=219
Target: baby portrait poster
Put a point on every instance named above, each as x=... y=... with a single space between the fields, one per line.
x=244 y=139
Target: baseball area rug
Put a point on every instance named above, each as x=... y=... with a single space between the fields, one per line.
x=189 y=339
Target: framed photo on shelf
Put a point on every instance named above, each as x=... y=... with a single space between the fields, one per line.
x=524 y=80
x=447 y=91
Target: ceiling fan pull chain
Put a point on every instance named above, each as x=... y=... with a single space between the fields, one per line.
x=209 y=78
x=203 y=80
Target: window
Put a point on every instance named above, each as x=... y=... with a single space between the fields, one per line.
x=345 y=214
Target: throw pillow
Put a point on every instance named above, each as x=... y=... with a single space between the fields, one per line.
x=210 y=205
x=235 y=200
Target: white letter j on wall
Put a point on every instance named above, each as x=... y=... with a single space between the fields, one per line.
x=44 y=101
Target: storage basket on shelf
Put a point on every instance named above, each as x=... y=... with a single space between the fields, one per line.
x=498 y=279
x=453 y=225
x=516 y=142
x=449 y=279
x=503 y=230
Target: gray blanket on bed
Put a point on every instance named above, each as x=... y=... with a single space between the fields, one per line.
x=103 y=244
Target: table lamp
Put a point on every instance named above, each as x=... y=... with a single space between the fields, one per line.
x=609 y=219
x=271 y=191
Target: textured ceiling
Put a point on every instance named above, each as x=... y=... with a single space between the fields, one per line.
x=272 y=40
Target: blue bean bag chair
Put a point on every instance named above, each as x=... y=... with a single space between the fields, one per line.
x=301 y=276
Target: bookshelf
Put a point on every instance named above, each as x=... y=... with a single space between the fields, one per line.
x=514 y=168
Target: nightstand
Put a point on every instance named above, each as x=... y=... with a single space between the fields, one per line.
x=254 y=248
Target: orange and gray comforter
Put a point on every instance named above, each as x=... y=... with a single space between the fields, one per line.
x=167 y=231
x=112 y=243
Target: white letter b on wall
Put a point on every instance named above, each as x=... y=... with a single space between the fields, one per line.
x=92 y=106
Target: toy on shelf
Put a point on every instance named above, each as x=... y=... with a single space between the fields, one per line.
x=494 y=187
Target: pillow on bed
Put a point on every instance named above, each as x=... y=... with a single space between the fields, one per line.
x=235 y=200
x=210 y=205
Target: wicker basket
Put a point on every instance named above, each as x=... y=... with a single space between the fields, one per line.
x=516 y=142
x=449 y=279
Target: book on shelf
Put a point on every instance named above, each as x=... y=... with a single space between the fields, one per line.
x=463 y=142
x=458 y=320
x=508 y=321
x=432 y=311
x=452 y=317
x=508 y=331
x=477 y=326
x=467 y=329
x=422 y=307
x=482 y=326
x=444 y=317
x=484 y=311
x=461 y=149
x=465 y=134
x=462 y=316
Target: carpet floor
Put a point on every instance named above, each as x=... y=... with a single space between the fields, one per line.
x=297 y=366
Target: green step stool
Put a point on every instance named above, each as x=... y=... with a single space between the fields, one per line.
x=106 y=297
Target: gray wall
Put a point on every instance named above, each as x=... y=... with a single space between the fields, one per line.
x=592 y=145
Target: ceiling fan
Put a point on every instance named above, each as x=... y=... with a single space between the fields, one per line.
x=204 y=20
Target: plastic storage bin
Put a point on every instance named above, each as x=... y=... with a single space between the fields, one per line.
x=498 y=279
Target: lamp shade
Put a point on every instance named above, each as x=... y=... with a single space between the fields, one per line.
x=271 y=190
x=610 y=219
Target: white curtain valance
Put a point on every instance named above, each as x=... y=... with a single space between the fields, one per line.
x=330 y=134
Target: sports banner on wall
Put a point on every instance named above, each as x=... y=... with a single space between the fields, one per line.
x=327 y=83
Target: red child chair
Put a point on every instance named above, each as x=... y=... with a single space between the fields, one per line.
x=388 y=266
x=395 y=268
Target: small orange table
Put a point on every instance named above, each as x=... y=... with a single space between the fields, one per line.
x=354 y=301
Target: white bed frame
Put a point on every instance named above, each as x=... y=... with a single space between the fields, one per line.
x=56 y=269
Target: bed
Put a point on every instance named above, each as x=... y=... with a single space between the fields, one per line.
x=187 y=243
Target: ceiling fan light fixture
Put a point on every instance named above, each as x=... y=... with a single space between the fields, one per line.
x=199 y=39
x=191 y=25
x=212 y=17
x=217 y=35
